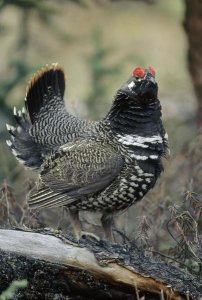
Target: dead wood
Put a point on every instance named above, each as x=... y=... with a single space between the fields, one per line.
x=57 y=267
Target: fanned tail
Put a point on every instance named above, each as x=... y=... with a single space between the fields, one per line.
x=43 y=98
x=46 y=88
x=21 y=143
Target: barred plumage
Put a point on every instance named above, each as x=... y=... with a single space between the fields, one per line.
x=85 y=165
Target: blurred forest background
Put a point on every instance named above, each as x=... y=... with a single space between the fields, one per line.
x=99 y=43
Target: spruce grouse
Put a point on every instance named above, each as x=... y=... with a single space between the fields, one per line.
x=86 y=165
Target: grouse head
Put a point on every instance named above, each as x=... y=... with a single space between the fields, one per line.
x=136 y=108
x=141 y=87
x=140 y=90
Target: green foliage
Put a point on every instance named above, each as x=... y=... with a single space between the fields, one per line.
x=13 y=288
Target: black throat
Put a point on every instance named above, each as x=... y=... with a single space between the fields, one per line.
x=128 y=116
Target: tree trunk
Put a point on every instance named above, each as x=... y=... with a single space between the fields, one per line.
x=57 y=267
x=193 y=28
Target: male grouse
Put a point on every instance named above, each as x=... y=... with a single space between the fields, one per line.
x=85 y=165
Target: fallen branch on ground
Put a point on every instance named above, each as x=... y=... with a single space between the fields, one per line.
x=56 y=267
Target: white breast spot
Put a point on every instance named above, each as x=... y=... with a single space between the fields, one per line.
x=144 y=186
x=140 y=171
x=139 y=157
x=148 y=175
x=131 y=190
x=148 y=180
x=140 y=141
x=139 y=179
x=134 y=184
x=153 y=156
x=123 y=181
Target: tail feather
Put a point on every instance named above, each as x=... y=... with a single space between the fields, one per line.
x=21 y=143
x=49 y=79
x=45 y=125
x=45 y=89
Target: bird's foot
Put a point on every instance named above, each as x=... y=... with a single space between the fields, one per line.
x=89 y=234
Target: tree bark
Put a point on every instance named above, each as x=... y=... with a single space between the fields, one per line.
x=193 y=28
x=57 y=267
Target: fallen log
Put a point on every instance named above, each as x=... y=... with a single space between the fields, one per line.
x=57 y=267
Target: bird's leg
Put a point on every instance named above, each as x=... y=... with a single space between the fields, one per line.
x=77 y=226
x=107 y=223
x=74 y=215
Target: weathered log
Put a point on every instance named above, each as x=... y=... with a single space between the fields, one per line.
x=56 y=267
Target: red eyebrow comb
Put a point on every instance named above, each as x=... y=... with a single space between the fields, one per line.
x=139 y=72
x=152 y=71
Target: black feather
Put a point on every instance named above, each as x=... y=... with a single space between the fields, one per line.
x=51 y=77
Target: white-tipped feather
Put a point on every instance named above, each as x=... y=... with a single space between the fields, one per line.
x=19 y=113
x=20 y=160
x=15 y=153
x=15 y=111
x=9 y=143
x=23 y=111
x=166 y=136
x=10 y=127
